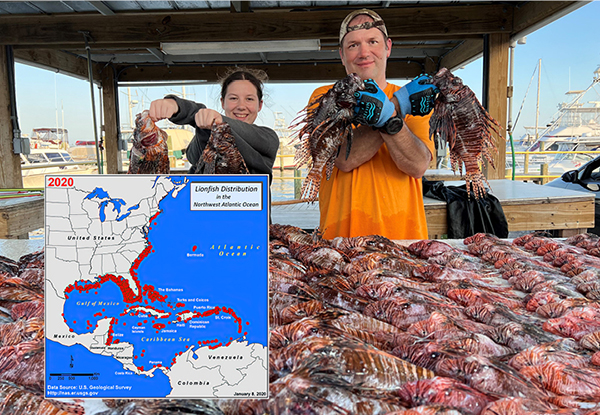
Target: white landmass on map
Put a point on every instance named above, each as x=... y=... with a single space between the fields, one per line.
x=80 y=246
x=239 y=367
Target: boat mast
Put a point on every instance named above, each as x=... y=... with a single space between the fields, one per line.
x=537 y=108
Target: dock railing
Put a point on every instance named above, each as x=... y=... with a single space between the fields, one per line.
x=541 y=176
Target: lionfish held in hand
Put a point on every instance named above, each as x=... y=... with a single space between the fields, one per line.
x=327 y=122
x=460 y=120
x=150 y=154
x=221 y=154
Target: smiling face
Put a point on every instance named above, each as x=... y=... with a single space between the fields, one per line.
x=241 y=101
x=365 y=52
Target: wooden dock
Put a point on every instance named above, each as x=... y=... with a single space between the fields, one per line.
x=527 y=207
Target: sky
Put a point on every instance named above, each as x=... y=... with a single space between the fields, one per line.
x=568 y=47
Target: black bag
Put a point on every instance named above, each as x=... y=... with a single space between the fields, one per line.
x=468 y=216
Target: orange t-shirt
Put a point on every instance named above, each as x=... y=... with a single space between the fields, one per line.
x=376 y=197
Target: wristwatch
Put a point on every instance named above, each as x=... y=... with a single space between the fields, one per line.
x=393 y=125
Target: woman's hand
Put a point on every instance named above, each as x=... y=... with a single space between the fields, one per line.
x=204 y=118
x=162 y=108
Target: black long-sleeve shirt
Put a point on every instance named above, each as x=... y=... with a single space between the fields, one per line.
x=257 y=144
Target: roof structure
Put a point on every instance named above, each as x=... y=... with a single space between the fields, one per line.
x=135 y=37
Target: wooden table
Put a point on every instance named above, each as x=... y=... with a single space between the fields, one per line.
x=527 y=207
x=19 y=216
x=442 y=174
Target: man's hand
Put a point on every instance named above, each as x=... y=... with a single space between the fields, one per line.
x=373 y=107
x=417 y=97
x=162 y=108
x=205 y=117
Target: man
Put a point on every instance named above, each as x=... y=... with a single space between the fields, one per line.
x=377 y=189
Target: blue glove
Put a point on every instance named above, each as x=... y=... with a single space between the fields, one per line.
x=374 y=107
x=417 y=97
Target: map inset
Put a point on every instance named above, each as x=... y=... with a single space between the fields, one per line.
x=157 y=286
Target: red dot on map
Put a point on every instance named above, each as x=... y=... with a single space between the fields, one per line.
x=247 y=323
x=194 y=248
x=103 y=310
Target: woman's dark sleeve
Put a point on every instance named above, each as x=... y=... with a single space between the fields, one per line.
x=257 y=144
x=186 y=116
x=187 y=111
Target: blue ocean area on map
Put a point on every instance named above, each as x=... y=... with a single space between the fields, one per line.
x=85 y=362
x=106 y=300
x=199 y=260
x=221 y=279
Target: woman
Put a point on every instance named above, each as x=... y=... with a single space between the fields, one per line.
x=241 y=99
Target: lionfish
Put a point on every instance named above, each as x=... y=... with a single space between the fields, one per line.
x=221 y=154
x=327 y=122
x=460 y=120
x=150 y=154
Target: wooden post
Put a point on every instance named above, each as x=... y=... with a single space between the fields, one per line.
x=10 y=167
x=526 y=163
x=297 y=184
x=111 y=136
x=544 y=172
x=497 y=94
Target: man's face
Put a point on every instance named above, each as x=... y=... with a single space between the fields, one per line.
x=365 y=52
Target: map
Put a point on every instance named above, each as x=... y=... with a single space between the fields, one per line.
x=156 y=286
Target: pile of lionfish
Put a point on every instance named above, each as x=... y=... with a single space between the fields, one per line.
x=150 y=153
x=366 y=326
x=458 y=118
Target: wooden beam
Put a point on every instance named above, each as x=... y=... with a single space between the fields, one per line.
x=145 y=29
x=54 y=59
x=111 y=135
x=20 y=216
x=532 y=15
x=466 y=52
x=323 y=72
x=497 y=98
x=10 y=167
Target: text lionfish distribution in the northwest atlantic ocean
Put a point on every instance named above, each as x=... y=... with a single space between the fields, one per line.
x=156 y=286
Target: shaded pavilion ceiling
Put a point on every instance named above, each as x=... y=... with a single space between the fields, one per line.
x=127 y=35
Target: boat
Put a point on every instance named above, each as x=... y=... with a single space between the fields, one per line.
x=50 y=153
x=575 y=128
x=44 y=161
x=287 y=151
